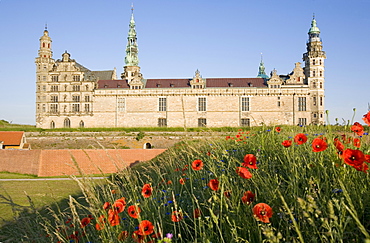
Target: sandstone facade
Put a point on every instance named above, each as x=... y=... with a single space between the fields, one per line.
x=70 y=95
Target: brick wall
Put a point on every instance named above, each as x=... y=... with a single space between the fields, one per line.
x=70 y=162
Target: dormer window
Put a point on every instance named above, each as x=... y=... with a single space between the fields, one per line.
x=118 y=86
x=158 y=85
x=197 y=82
x=172 y=85
x=231 y=85
x=105 y=86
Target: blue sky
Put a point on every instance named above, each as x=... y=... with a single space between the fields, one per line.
x=220 y=38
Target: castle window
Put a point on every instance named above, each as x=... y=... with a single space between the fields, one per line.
x=54 y=88
x=313 y=73
x=44 y=88
x=163 y=104
x=162 y=122
x=202 y=104
x=43 y=78
x=313 y=62
x=76 y=88
x=245 y=122
x=54 y=98
x=320 y=85
x=245 y=103
x=67 y=123
x=87 y=98
x=49 y=45
x=321 y=115
x=202 y=122
x=76 y=77
x=301 y=103
x=76 y=98
x=302 y=121
x=54 y=108
x=314 y=100
x=54 y=78
x=52 y=125
x=44 y=67
x=76 y=107
x=321 y=100
x=121 y=104
x=82 y=124
x=320 y=62
x=314 y=115
x=87 y=107
x=38 y=87
x=320 y=73
x=43 y=44
x=43 y=108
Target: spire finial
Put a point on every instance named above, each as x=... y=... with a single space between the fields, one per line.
x=313 y=15
x=46 y=26
x=132 y=8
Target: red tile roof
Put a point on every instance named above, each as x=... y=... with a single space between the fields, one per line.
x=11 y=138
x=185 y=83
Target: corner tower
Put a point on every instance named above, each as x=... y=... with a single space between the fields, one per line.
x=314 y=72
x=44 y=63
x=131 y=71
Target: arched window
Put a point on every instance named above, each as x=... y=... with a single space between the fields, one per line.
x=43 y=44
x=49 y=45
x=67 y=123
x=82 y=124
x=52 y=125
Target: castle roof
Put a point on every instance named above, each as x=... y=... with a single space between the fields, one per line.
x=104 y=75
x=185 y=83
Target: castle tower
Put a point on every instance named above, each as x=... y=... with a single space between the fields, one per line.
x=131 y=71
x=261 y=70
x=44 y=63
x=314 y=72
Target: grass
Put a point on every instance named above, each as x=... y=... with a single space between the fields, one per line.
x=10 y=175
x=314 y=196
x=14 y=194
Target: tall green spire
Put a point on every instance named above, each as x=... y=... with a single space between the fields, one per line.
x=132 y=50
x=314 y=28
x=261 y=70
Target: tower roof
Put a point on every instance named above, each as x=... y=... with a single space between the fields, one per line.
x=314 y=28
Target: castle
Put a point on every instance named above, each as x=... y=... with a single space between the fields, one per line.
x=70 y=95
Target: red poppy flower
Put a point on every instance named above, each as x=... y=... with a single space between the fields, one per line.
x=366 y=118
x=338 y=145
x=319 y=145
x=262 y=212
x=244 y=172
x=100 y=225
x=367 y=158
x=353 y=157
x=248 y=197
x=300 y=138
x=85 y=221
x=146 y=227
x=176 y=216
x=196 y=213
x=119 y=205
x=287 y=143
x=362 y=167
x=227 y=194
x=182 y=181
x=250 y=161
x=357 y=142
x=134 y=211
x=277 y=129
x=113 y=217
x=197 y=164
x=357 y=128
x=123 y=235
x=106 y=205
x=213 y=184
x=146 y=191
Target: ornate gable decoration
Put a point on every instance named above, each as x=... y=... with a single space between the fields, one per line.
x=197 y=82
x=275 y=81
x=297 y=76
